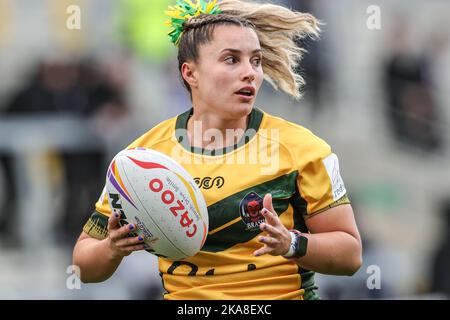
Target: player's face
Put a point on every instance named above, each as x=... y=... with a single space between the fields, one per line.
x=229 y=72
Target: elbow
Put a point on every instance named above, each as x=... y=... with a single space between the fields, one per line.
x=87 y=277
x=86 y=273
x=83 y=277
x=87 y=280
x=77 y=264
x=355 y=262
x=354 y=266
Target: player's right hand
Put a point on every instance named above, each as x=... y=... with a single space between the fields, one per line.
x=119 y=241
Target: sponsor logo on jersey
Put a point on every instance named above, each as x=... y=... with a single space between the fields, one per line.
x=250 y=210
x=337 y=184
x=208 y=182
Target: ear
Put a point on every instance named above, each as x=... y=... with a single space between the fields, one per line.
x=189 y=73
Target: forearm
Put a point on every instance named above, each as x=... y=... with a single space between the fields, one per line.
x=95 y=260
x=335 y=253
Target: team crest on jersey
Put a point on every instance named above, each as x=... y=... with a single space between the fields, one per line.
x=250 y=209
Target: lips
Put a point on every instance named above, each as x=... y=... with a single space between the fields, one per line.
x=246 y=92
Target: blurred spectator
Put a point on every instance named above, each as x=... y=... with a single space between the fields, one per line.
x=60 y=87
x=53 y=89
x=83 y=90
x=440 y=281
x=412 y=109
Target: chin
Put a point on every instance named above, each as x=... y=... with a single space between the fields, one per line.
x=240 y=110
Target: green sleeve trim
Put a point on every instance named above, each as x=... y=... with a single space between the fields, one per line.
x=343 y=200
x=97 y=226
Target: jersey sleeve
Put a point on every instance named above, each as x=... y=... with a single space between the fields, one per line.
x=97 y=224
x=320 y=182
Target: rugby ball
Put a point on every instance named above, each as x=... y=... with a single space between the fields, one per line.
x=157 y=195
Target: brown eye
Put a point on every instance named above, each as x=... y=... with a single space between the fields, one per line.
x=231 y=60
x=257 y=62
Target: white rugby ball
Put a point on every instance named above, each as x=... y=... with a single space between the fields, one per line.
x=161 y=199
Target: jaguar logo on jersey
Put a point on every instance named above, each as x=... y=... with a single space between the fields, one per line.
x=250 y=209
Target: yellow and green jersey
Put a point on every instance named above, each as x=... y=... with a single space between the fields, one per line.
x=274 y=156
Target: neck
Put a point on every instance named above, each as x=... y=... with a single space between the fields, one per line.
x=211 y=131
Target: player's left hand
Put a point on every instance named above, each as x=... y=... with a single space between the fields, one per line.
x=276 y=237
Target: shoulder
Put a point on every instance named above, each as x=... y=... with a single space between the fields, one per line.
x=161 y=132
x=298 y=139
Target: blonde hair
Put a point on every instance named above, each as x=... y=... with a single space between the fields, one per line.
x=277 y=28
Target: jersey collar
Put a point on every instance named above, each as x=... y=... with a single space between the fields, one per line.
x=255 y=118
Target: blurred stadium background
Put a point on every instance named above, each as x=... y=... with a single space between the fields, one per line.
x=71 y=98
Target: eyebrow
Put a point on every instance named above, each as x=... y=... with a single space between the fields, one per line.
x=239 y=51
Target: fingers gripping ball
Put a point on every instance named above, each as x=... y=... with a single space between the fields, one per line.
x=158 y=196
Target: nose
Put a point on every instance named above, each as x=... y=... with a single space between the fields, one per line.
x=250 y=78
x=248 y=72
